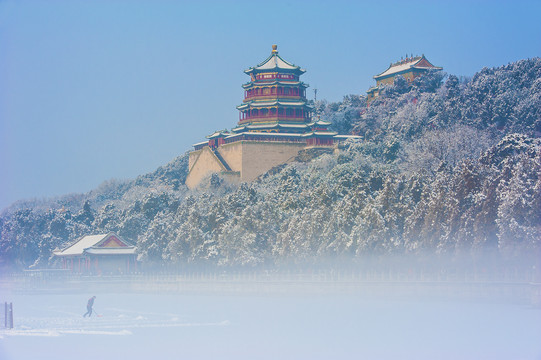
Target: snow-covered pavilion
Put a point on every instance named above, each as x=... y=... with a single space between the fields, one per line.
x=410 y=68
x=99 y=254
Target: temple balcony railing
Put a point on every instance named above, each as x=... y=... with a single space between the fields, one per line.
x=257 y=137
x=274 y=77
x=274 y=97
x=274 y=117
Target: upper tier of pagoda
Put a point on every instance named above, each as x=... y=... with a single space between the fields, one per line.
x=275 y=95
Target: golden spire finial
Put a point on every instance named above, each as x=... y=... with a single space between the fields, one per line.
x=274 y=48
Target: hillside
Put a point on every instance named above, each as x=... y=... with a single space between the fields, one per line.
x=446 y=166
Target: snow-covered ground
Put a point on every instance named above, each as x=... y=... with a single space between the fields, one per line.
x=295 y=326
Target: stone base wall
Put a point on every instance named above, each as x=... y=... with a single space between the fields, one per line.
x=260 y=157
x=202 y=163
x=248 y=158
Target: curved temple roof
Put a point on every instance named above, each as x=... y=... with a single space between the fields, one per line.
x=419 y=62
x=254 y=104
x=274 y=62
x=97 y=244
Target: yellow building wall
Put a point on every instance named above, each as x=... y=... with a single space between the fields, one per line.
x=204 y=164
x=260 y=157
x=232 y=154
x=409 y=76
x=194 y=155
x=386 y=81
x=247 y=158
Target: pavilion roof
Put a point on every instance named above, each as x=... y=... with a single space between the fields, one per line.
x=346 y=137
x=372 y=89
x=278 y=124
x=270 y=125
x=94 y=244
x=219 y=133
x=418 y=62
x=320 y=123
x=266 y=135
x=201 y=143
x=320 y=133
x=111 y=251
x=275 y=62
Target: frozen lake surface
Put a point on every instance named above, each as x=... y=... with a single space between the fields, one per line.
x=182 y=326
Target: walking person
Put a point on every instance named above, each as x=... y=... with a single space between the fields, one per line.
x=89 y=307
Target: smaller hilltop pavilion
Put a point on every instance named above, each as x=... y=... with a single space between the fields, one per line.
x=410 y=68
x=99 y=254
x=275 y=123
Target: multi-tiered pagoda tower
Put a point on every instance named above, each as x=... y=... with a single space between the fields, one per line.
x=275 y=94
x=275 y=123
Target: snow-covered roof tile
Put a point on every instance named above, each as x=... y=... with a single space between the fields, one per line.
x=262 y=126
x=319 y=122
x=218 y=133
x=101 y=243
x=79 y=247
x=201 y=143
x=345 y=137
x=299 y=126
x=264 y=134
x=274 y=62
x=419 y=62
x=320 y=133
x=111 y=251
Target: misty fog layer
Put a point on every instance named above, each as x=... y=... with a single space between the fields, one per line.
x=302 y=323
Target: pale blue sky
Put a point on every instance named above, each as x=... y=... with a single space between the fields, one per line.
x=94 y=90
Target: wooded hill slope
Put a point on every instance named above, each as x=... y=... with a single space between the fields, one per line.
x=446 y=166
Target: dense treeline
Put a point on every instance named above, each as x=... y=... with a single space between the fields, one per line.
x=445 y=166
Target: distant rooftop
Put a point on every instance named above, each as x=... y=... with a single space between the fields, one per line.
x=417 y=62
x=98 y=244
